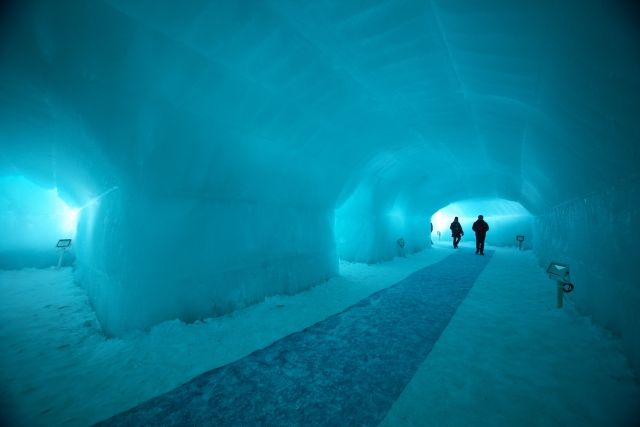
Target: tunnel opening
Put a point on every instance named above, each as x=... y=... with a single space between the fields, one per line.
x=371 y=228
x=33 y=219
x=507 y=220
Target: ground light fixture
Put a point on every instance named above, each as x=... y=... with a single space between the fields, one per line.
x=560 y=273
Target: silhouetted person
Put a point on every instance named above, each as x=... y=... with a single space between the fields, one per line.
x=481 y=228
x=456 y=232
x=401 y=244
x=430 y=239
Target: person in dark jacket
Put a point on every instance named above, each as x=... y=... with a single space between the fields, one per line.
x=456 y=232
x=481 y=228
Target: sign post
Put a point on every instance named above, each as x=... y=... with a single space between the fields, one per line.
x=400 y=243
x=62 y=244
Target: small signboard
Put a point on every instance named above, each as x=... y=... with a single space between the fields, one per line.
x=63 y=243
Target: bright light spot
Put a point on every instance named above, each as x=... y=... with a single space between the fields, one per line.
x=440 y=222
x=65 y=216
x=506 y=218
x=33 y=217
x=69 y=220
x=96 y=200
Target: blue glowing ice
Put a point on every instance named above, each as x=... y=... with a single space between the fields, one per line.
x=241 y=135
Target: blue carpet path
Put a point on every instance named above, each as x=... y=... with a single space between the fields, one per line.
x=345 y=370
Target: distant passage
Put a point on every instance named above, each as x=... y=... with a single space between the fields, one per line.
x=345 y=370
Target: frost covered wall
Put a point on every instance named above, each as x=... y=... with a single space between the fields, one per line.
x=374 y=238
x=369 y=224
x=197 y=194
x=145 y=260
x=214 y=118
x=504 y=231
x=598 y=236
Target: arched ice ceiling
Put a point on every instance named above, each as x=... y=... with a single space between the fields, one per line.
x=298 y=102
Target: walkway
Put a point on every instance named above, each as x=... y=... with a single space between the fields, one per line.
x=345 y=370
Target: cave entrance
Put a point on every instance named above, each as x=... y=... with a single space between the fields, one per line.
x=32 y=220
x=506 y=218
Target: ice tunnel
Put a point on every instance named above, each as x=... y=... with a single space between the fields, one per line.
x=222 y=152
x=33 y=220
x=507 y=220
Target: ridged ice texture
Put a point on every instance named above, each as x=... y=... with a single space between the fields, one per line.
x=286 y=106
x=597 y=235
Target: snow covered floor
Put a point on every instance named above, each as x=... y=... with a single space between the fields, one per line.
x=508 y=357
x=347 y=369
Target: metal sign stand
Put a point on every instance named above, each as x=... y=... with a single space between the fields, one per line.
x=62 y=244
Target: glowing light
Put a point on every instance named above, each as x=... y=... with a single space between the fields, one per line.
x=96 y=199
x=440 y=222
x=37 y=217
x=506 y=219
x=69 y=220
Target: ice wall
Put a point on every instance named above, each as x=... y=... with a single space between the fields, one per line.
x=210 y=143
x=146 y=259
x=368 y=226
x=597 y=235
x=192 y=205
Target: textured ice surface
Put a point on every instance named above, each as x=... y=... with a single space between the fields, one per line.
x=598 y=235
x=220 y=119
x=510 y=357
x=346 y=370
x=506 y=353
x=148 y=259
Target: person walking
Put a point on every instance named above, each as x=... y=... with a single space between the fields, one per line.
x=430 y=238
x=456 y=232
x=480 y=227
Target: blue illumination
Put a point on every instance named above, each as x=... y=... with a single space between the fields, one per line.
x=32 y=219
x=506 y=219
x=337 y=372
x=254 y=143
